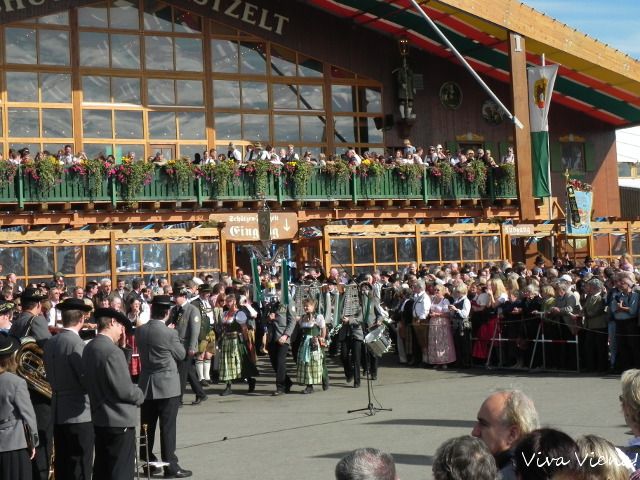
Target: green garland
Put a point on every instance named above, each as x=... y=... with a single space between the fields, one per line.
x=299 y=172
x=260 y=170
x=478 y=176
x=508 y=173
x=340 y=171
x=96 y=171
x=181 y=172
x=8 y=171
x=222 y=174
x=47 y=172
x=412 y=173
x=133 y=176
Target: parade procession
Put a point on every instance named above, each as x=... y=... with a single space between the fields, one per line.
x=375 y=239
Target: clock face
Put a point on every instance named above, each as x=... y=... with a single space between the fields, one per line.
x=451 y=95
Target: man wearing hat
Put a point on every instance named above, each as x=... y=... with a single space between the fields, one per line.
x=72 y=427
x=18 y=433
x=31 y=323
x=113 y=397
x=160 y=352
x=6 y=314
x=207 y=335
x=186 y=320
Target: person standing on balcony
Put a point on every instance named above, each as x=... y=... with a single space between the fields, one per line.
x=234 y=153
x=67 y=157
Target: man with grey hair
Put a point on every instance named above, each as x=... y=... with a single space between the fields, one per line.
x=464 y=458
x=366 y=464
x=503 y=419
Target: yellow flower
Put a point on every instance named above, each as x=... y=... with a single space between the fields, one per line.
x=366 y=162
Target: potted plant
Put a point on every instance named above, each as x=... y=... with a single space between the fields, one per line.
x=45 y=171
x=299 y=172
x=133 y=176
x=260 y=170
x=181 y=171
x=8 y=171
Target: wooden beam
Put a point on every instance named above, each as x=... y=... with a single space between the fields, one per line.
x=522 y=136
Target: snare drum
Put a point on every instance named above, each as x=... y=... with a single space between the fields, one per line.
x=378 y=341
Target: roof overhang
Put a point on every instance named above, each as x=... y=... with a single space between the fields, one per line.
x=593 y=78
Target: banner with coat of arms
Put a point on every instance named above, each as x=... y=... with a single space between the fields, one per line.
x=579 y=206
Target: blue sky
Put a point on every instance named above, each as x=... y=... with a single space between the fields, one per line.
x=614 y=22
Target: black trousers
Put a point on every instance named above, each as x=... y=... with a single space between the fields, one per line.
x=370 y=361
x=115 y=453
x=15 y=464
x=187 y=370
x=166 y=411
x=351 y=354
x=278 y=356
x=596 y=350
x=42 y=407
x=628 y=355
x=74 y=450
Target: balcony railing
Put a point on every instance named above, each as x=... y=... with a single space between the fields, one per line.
x=321 y=187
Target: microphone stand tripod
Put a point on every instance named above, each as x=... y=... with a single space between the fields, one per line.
x=370 y=408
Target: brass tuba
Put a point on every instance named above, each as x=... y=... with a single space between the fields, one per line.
x=31 y=366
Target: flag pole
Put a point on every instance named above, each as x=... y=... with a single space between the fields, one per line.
x=553 y=239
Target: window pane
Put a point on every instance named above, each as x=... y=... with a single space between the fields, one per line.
x=189 y=54
x=93 y=16
x=430 y=249
x=406 y=249
x=96 y=89
x=93 y=150
x=157 y=17
x=162 y=125
x=253 y=58
x=618 y=244
x=128 y=124
x=450 y=248
x=369 y=132
x=208 y=256
x=56 y=123
x=126 y=90
x=20 y=45
x=55 y=87
x=97 y=258
x=226 y=94
x=283 y=62
x=12 y=260
x=23 y=122
x=284 y=96
x=94 y=49
x=309 y=67
x=158 y=53
x=160 y=92
x=385 y=250
x=191 y=125
x=22 y=86
x=255 y=127
x=225 y=56
x=125 y=149
x=189 y=93
x=345 y=129
x=127 y=258
x=40 y=260
x=53 y=47
x=68 y=259
x=363 y=250
x=125 y=51
x=181 y=256
x=60 y=18
x=186 y=22
x=97 y=123
x=624 y=169
x=155 y=257
x=314 y=129
x=342 y=98
x=191 y=150
x=227 y=126
x=286 y=128
x=311 y=97
x=370 y=100
x=342 y=252
x=254 y=95
x=635 y=243
x=491 y=247
x=470 y=248
x=124 y=15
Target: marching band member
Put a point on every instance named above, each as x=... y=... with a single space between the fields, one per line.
x=371 y=316
x=72 y=427
x=113 y=397
x=207 y=336
x=235 y=360
x=31 y=323
x=160 y=352
x=351 y=338
x=311 y=352
x=18 y=427
x=279 y=330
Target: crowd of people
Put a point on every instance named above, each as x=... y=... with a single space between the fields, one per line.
x=212 y=330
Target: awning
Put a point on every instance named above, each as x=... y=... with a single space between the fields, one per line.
x=593 y=78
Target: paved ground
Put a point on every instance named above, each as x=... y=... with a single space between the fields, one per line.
x=256 y=436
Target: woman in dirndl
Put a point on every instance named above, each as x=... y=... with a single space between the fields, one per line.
x=235 y=358
x=311 y=352
x=440 y=349
x=134 y=310
x=496 y=295
x=18 y=428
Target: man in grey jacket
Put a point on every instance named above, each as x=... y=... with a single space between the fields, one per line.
x=185 y=318
x=113 y=396
x=160 y=349
x=280 y=325
x=72 y=427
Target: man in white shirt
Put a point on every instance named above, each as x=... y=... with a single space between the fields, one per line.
x=67 y=157
x=234 y=153
x=353 y=157
x=421 y=308
x=55 y=315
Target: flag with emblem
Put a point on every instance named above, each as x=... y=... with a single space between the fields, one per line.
x=541 y=81
x=257 y=287
x=284 y=279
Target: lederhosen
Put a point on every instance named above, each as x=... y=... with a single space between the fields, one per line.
x=207 y=335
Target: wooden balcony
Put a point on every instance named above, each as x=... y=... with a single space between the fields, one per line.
x=72 y=191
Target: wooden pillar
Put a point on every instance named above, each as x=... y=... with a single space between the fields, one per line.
x=522 y=136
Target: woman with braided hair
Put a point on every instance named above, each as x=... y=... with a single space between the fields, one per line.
x=311 y=351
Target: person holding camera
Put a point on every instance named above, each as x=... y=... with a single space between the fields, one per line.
x=280 y=326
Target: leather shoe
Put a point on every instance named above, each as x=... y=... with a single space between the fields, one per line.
x=349 y=379
x=252 y=385
x=227 y=391
x=356 y=385
x=180 y=473
x=308 y=390
x=277 y=393
x=151 y=470
x=199 y=400
x=287 y=385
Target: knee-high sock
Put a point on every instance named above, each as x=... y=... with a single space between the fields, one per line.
x=207 y=367
x=199 y=368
